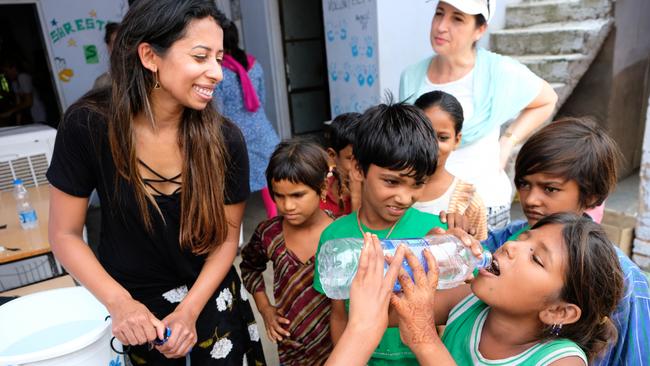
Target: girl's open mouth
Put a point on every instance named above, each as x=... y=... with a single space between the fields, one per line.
x=494 y=268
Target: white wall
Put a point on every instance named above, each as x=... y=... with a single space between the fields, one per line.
x=403 y=38
x=262 y=38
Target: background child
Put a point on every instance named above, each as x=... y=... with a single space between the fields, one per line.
x=546 y=300
x=569 y=166
x=395 y=152
x=444 y=191
x=299 y=321
x=342 y=193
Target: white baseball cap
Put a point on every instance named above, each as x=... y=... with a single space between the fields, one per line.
x=473 y=7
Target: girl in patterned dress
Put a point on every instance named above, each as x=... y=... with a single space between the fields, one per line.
x=299 y=320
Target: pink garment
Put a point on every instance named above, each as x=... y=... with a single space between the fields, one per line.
x=251 y=101
x=269 y=205
x=596 y=213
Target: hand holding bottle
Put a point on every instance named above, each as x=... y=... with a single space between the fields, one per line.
x=415 y=306
x=456 y=256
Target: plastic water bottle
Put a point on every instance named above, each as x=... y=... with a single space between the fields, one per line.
x=26 y=212
x=338 y=261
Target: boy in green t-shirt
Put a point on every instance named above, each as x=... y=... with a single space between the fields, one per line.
x=395 y=152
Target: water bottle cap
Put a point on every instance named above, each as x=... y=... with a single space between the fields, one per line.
x=18 y=181
x=486 y=260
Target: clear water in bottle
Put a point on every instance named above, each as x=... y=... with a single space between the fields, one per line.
x=338 y=261
x=24 y=208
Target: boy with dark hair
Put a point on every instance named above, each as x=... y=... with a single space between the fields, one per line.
x=571 y=166
x=342 y=193
x=395 y=152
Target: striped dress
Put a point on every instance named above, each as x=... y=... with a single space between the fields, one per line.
x=295 y=298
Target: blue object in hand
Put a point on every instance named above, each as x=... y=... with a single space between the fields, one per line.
x=160 y=342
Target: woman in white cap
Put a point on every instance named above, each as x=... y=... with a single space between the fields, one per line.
x=492 y=90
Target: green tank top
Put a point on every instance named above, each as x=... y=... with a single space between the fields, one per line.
x=462 y=337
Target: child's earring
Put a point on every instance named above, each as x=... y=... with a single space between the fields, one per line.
x=323 y=195
x=330 y=173
x=555 y=329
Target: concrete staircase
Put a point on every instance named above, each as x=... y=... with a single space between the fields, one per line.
x=556 y=39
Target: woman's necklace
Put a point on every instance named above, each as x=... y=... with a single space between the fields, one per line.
x=363 y=233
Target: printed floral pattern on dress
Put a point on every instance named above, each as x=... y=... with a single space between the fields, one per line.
x=243 y=293
x=224 y=301
x=176 y=295
x=253 y=332
x=221 y=348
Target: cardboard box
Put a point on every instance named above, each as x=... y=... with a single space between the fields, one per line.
x=620 y=230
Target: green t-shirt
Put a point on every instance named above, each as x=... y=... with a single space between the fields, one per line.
x=414 y=224
x=462 y=337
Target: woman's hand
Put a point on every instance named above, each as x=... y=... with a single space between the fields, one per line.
x=415 y=308
x=369 y=299
x=273 y=321
x=183 y=334
x=370 y=291
x=133 y=323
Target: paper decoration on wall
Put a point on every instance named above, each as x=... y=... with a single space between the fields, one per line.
x=75 y=32
x=351 y=42
x=65 y=74
x=90 y=53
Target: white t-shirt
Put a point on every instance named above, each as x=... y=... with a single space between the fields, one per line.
x=461 y=89
x=477 y=163
x=439 y=204
x=23 y=85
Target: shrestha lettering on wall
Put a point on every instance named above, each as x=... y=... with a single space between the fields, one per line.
x=74 y=26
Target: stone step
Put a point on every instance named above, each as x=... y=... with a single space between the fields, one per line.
x=551 y=38
x=556 y=68
x=555 y=11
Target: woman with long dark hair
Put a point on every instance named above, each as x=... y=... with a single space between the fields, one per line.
x=240 y=97
x=168 y=171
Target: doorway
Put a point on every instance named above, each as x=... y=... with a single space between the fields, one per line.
x=303 y=43
x=21 y=40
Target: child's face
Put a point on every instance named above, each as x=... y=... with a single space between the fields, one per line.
x=448 y=139
x=343 y=160
x=297 y=202
x=387 y=194
x=545 y=194
x=530 y=275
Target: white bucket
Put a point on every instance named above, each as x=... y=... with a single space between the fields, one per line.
x=58 y=327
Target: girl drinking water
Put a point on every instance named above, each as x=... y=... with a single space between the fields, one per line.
x=546 y=300
x=299 y=320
